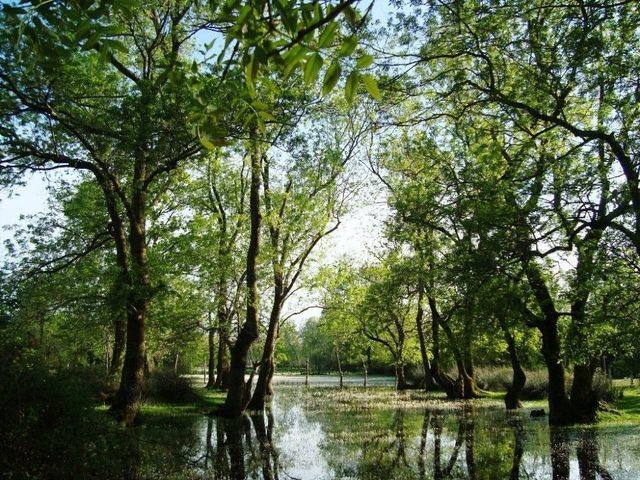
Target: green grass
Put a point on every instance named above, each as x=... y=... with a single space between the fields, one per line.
x=152 y=412
x=625 y=411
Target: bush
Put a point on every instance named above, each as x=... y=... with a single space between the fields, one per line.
x=49 y=427
x=604 y=389
x=165 y=386
x=499 y=379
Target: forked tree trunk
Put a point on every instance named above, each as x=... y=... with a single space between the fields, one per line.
x=235 y=402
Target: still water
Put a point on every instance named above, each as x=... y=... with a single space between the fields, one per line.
x=326 y=433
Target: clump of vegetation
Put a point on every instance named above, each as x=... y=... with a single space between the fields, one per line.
x=499 y=380
x=605 y=390
x=164 y=385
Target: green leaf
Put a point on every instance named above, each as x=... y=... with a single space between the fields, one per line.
x=293 y=58
x=311 y=69
x=348 y=46
x=258 y=105
x=244 y=14
x=331 y=77
x=364 y=61
x=327 y=35
x=206 y=142
x=351 y=86
x=251 y=71
x=371 y=84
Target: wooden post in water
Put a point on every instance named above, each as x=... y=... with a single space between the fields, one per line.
x=306 y=376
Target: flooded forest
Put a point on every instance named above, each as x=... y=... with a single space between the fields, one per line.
x=320 y=239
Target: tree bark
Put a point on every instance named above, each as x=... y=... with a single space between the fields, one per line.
x=127 y=399
x=559 y=406
x=267 y=367
x=512 y=398
x=235 y=402
x=584 y=402
x=211 y=367
x=448 y=384
x=117 y=355
x=223 y=364
x=401 y=380
x=469 y=389
x=365 y=373
x=224 y=327
x=339 y=367
x=429 y=383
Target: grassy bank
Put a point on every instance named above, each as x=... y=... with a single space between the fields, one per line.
x=154 y=411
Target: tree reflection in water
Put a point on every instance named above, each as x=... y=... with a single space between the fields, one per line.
x=398 y=444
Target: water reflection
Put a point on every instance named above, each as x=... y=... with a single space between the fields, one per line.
x=295 y=440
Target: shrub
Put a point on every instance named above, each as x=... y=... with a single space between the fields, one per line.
x=499 y=379
x=604 y=389
x=165 y=386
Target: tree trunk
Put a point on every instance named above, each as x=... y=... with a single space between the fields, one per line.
x=224 y=332
x=306 y=375
x=448 y=384
x=235 y=402
x=559 y=406
x=401 y=380
x=267 y=367
x=211 y=367
x=429 y=383
x=512 y=398
x=584 y=403
x=340 y=367
x=126 y=403
x=223 y=365
x=466 y=381
x=364 y=372
x=117 y=356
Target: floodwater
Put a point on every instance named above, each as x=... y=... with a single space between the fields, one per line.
x=328 y=433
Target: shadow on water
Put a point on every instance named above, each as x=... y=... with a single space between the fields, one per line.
x=299 y=438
